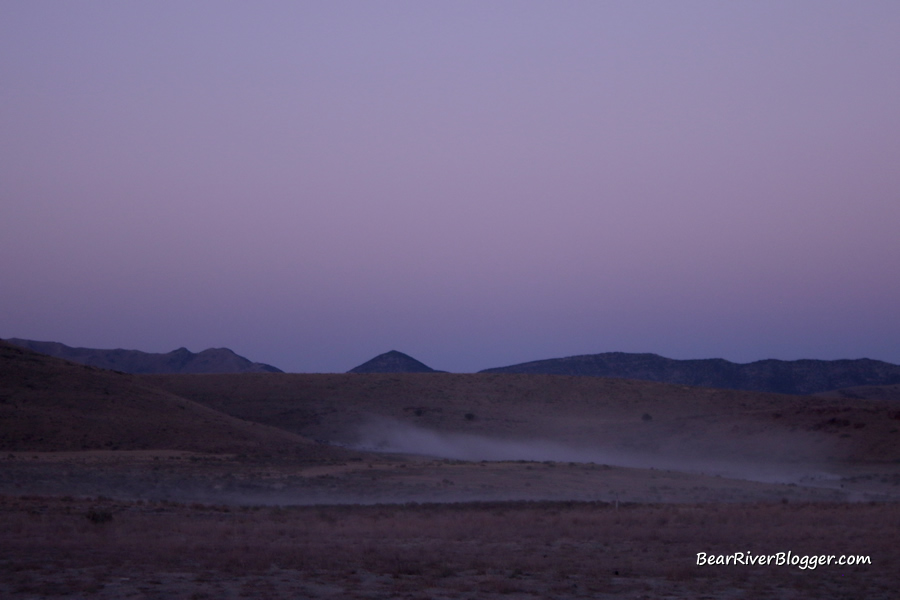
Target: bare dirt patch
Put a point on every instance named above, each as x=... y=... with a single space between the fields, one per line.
x=251 y=480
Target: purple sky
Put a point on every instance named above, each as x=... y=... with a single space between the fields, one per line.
x=473 y=183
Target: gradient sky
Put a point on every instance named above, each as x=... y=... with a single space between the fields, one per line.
x=473 y=183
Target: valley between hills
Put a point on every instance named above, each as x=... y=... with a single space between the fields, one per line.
x=88 y=450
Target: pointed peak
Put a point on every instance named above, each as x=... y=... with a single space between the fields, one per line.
x=393 y=362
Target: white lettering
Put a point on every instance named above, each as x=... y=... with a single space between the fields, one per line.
x=804 y=562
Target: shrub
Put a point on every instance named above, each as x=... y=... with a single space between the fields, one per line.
x=99 y=516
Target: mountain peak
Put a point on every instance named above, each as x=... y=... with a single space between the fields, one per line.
x=393 y=362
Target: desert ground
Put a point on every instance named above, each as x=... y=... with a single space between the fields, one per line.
x=104 y=548
x=437 y=486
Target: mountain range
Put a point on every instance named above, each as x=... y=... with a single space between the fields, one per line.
x=182 y=360
x=780 y=376
x=48 y=404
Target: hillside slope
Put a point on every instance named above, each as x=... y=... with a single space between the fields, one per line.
x=624 y=416
x=48 y=404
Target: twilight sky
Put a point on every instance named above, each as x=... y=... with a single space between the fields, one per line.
x=473 y=183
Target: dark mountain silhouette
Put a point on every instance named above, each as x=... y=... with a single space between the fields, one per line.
x=213 y=360
x=393 y=362
x=50 y=404
x=785 y=377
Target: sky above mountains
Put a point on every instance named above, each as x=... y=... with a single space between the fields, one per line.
x=473 y=183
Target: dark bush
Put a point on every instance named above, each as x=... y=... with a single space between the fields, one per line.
x=99 y=516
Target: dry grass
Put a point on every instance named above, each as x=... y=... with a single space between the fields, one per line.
x=528 y=549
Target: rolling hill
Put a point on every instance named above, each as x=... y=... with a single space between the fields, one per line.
x=49 y=404
x=624 y=417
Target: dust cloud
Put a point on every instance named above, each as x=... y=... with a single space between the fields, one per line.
x=381 y=434
x=392 y=436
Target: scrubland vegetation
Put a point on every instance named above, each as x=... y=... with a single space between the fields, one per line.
x=246 y=487
x=105 y=548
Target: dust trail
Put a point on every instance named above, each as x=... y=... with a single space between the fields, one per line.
x=389 y=435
